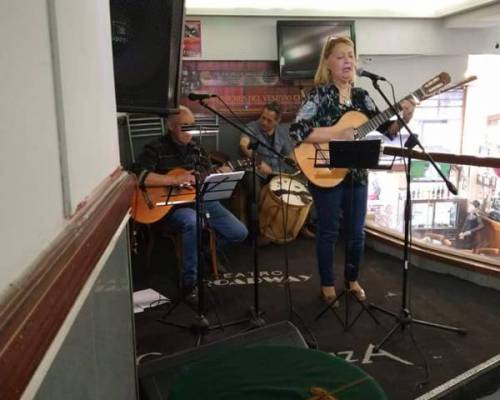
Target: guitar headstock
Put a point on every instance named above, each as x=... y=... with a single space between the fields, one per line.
x=435 y=84
x=243 y=164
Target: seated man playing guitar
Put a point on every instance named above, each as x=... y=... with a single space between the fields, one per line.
x=154 y=168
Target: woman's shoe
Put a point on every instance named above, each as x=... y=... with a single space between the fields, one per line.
x=357 y=290
x=328 y=295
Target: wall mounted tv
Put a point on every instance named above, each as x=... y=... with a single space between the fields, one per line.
x=147 y=53
x=300 y=44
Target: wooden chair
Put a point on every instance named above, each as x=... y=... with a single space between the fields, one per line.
x=489 y=243
x=177 y=241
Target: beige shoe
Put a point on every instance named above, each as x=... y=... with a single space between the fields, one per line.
x=328 y=295
x=357 y=290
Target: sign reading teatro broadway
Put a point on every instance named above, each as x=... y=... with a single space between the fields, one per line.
x=245 y=86
x=265 y=277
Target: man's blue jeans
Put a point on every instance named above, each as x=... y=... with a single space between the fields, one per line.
x=183 y=220
x=351 y=198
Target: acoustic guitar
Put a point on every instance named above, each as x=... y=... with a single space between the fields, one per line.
x=308 y=155
x=149 y=204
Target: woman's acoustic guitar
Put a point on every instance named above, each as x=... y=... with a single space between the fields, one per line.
x=310 y=157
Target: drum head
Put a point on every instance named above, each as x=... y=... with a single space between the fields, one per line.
x=290 y=191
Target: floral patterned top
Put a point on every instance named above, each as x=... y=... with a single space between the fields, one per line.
x=322 y=108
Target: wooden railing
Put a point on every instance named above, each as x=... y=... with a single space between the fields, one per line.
x=472 y=261
x=491 y=162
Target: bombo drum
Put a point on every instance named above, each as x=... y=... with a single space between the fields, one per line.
x=284 y=206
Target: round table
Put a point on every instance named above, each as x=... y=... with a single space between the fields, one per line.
x=274 y=372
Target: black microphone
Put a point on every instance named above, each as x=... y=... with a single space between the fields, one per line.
x=200 y=96
x=375 y=77
x=451 y=187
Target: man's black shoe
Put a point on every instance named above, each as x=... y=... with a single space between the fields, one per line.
x=190 y=295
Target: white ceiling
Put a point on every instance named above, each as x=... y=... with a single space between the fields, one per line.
x=336 y=8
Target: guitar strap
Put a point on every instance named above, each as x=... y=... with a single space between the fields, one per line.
x=147 y=197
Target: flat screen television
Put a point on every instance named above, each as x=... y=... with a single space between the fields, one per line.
x=300 y=44
x=147 y=54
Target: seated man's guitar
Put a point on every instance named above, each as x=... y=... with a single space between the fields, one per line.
x=151 y=203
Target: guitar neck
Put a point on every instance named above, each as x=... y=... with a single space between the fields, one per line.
x=237 y=165
x=384 y=116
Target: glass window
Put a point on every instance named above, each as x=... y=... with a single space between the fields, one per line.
x=440 y=219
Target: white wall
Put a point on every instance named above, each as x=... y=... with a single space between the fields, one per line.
x=87 y=92
x=422 y=36
x=254 y=38
x=483 y=99
x=408 y=73
x=53 y=92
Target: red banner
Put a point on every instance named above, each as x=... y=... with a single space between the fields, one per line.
x=245 y=86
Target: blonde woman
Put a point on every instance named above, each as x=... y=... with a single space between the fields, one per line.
x=332 y=96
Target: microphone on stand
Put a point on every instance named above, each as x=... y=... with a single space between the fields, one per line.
x=366 y=74
x=200 y=96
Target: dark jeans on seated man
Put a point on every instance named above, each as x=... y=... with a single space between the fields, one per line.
x=182 y=220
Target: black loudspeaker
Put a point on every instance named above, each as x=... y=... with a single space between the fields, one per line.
x=147 y=53
x=156 y=377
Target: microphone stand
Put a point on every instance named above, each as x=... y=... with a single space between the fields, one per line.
x=256 y=319
x=404 y=317
x=201 y=325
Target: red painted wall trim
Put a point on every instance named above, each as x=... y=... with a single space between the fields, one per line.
x=30 y=320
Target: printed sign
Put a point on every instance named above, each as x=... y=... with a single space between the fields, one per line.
x=192 y=39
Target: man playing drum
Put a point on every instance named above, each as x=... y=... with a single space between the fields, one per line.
x=268 y=129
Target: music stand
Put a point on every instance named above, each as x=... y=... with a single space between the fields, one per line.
x=349 y=154
x=216 y=186
x=220 y=186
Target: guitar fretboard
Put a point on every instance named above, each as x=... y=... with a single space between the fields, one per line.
x=238 y=164
x=379 y=119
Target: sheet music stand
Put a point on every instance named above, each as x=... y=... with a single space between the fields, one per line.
x=220 y=186
x=216 y=186
x=354 y=153
x=349 y=154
